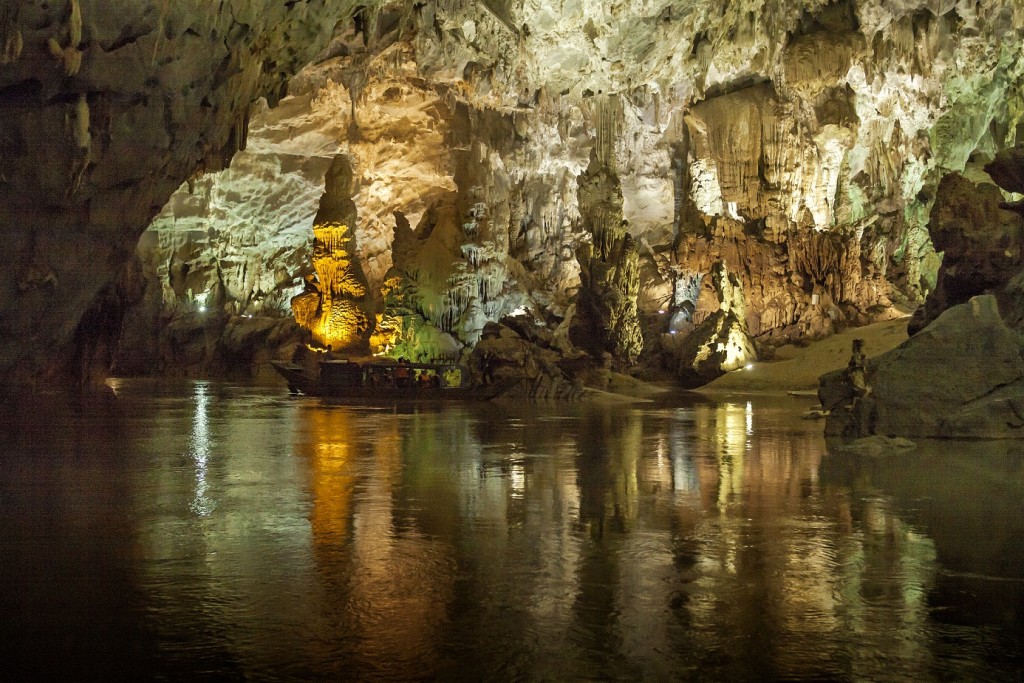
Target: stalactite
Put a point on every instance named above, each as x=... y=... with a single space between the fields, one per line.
x=607 y=114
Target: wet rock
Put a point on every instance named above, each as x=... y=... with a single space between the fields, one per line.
x=960 y=377
x=877 y=445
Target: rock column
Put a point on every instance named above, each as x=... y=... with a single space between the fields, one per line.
x=606 y=309
x=335 y=308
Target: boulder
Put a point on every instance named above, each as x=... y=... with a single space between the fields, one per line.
x=524 y=368
x=722 y=342
x=960 y=377
x=980 y=241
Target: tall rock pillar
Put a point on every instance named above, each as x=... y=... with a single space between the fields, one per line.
x=606 y=317
x=335 y=307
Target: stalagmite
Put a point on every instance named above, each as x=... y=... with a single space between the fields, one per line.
x=334 y=308
x=606 y=310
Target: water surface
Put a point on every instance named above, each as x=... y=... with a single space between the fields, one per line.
x=204 y=530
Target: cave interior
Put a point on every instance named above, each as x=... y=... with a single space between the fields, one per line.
x=664 y=190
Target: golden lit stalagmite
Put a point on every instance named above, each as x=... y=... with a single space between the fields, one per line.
x=334 y=308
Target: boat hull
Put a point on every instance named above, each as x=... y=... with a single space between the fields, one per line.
x=300 y=381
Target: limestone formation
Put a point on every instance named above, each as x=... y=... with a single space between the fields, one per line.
x=981 y=245
x=527 y=367
x=960 y=377
x=94 y=141
x=335 y=307
x=802 y=143
x=606 y=308
x=721 y=343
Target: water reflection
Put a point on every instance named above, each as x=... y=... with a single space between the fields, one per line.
x=952 y=533
x=275 y=537
x=200 y=450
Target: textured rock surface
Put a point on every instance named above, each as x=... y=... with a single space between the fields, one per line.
x=960 y=377
x=721 y=343
x=606 y=318
x=801 y=143
x=336 y=308
x=524 y=362
x=980 y=242
x=108 y=105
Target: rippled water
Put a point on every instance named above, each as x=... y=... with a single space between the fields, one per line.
x=214 y=531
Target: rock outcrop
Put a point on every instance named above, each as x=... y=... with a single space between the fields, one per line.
x=981 y=244
x=527 y=365
x=107 y=106
x=962 y=376
x=802 y=143
x=722 y=342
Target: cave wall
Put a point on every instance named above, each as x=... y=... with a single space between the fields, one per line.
x=799 y=143
x=108 y=105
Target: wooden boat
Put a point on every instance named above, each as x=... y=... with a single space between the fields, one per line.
x=374 y=380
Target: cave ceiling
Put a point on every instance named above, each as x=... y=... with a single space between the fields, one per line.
x=799 y=142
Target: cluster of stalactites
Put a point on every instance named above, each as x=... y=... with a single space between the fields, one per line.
x=334 y=261
x=332 y=307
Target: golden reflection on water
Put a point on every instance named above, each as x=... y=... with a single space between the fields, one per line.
x=602 y=542
x=332 y=473
x=389 y=582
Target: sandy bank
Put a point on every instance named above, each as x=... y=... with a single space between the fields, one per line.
x=798 y=369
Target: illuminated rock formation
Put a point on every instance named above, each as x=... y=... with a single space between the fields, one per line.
x=721 y=343
x=335 y=308
x=606 y=320
x=802 y=143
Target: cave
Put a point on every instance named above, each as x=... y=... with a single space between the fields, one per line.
x=649 y=225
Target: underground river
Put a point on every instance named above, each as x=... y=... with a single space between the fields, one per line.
x=199 y=530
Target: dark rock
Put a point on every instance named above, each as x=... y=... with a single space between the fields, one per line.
x=960 y=377
x=105 y=111
x=1007 y=169
x=526 y=369
x=980 y=242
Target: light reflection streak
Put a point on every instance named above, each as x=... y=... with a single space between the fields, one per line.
x=517 y=478
x=200 y=451
x=638 y=534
